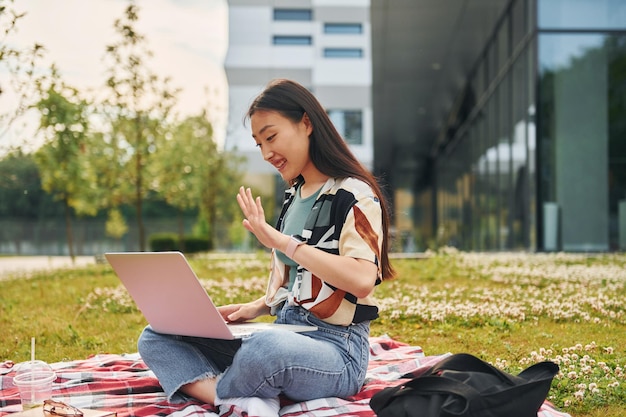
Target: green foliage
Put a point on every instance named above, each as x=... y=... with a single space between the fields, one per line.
x=199 y=175
x=21 y=195
x=182 y=161
x=61 y=162
x=191 y=173
x=115 y=225
x=237 y=234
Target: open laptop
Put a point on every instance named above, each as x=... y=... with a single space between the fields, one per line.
x=170 y=296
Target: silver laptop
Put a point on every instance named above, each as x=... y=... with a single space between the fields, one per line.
x=173 y=300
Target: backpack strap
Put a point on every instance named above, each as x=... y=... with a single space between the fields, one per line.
x=469 y=363
x=439 y=385
x=425 y=385
x=540 y=371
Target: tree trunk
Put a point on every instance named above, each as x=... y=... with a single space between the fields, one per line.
x=139 y=204
x=68 y=230
x=181 y=230
x=139 y=184
x=213 y=219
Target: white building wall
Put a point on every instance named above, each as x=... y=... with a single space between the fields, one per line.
x=253 y=60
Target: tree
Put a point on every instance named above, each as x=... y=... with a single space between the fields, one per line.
x=179 y=162
x=222 y=179
x=140 y=104
x=64 y=173
x=107 y=160
x=19 y=66
x=192 y=173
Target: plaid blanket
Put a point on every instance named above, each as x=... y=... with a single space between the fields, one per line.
x=123 y=383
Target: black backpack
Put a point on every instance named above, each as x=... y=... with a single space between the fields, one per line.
x=463 y=385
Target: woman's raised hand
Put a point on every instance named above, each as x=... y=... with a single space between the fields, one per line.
x=254 y=220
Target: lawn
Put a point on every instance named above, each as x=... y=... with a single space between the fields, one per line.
x=509 y=309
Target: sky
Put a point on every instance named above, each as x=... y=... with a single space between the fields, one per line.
x=188 y=38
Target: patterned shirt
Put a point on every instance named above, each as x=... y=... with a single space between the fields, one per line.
x=346 y=220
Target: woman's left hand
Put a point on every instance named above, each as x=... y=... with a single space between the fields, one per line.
x=255 y=219
x=244 y=312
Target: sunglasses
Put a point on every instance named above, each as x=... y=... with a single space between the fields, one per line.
x=58 y=408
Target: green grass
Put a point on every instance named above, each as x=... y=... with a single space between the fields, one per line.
x=509 y=309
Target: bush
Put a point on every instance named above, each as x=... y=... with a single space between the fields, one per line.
x=193 y=244
x=160 y=242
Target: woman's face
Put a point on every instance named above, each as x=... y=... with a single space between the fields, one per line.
x=283 y=143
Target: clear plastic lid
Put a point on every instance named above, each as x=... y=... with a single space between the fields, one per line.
x=33 y=372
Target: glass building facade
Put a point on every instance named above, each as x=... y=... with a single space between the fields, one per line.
x=535 y=150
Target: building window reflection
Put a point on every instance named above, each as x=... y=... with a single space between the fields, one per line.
x=582 y=120
x=539 y=160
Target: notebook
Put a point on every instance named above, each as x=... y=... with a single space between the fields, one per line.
x=172 y=299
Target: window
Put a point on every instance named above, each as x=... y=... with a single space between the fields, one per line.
x=349 y=124
x=343 y=53
x=292 y=40
x=586 y=14
x=343 y=28
x=293 y=14
x=572 y=66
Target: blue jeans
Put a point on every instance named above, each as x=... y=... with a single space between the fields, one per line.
x=329 y=362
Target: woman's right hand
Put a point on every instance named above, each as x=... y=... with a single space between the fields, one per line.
x=244 y=312
x=255 y=222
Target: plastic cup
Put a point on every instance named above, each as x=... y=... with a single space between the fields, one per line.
x=34 y=381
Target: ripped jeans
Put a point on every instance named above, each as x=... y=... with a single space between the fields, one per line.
x=329 y=362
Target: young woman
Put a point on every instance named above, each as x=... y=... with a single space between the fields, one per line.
x=329 y=251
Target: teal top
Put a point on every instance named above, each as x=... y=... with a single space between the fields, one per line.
x=293 y=224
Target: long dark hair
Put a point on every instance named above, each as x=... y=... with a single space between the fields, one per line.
x=327 y=149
